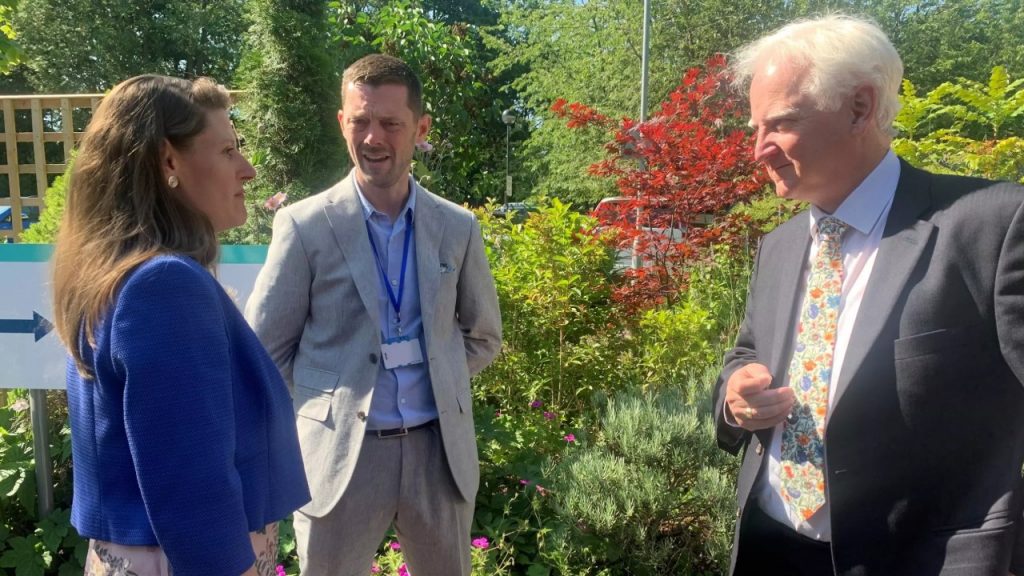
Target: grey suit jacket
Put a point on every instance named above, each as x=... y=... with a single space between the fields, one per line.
x=314 y=307
x=925 y=441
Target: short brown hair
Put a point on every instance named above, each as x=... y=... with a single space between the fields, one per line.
x=380 y=69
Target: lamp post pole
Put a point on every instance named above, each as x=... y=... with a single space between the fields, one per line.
x=509 y=118
x=643 y=118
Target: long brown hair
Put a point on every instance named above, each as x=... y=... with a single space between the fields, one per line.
x=119 y=211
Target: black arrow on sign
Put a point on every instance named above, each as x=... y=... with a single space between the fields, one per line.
x=37 y=325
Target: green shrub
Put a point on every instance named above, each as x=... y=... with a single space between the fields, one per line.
x=34 y=547
x=45 y=230
x=552 y=274
x=651 y=494
x=965 y=127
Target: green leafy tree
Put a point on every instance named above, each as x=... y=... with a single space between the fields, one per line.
x=10 y=51
x=965 y=127
x=460 y=92
x=88 y=46
x=288 y=116
x=591 y=52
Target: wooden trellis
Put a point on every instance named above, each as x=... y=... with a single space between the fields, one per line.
x=51 y=121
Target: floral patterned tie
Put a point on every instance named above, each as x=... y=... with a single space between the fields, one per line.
x=802 y=477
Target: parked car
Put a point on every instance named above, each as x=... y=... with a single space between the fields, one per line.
x=519 y=211
x=656 y=218
x=7 y=221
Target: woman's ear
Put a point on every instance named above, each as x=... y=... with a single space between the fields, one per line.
x=169 y=161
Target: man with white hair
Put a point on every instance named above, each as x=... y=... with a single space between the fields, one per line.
x=876 y=383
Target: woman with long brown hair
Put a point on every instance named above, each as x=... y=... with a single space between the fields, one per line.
x=183 y=436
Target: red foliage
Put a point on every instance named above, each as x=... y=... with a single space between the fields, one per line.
x=685 y=167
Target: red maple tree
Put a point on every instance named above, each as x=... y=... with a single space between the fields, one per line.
x=678 y=175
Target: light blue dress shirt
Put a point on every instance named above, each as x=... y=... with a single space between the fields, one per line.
x=402 y=397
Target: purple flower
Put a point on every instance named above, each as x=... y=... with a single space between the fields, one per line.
x=402 y=570
x=536 y=404
x=524 y=481
x=275 y=201
x=280 y=570
x=570 y=438
x=425 y=147
x=374 y=569
x=481 y=543
x=396 y=546
x=549 y=415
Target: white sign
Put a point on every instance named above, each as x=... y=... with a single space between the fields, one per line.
x=31 y=355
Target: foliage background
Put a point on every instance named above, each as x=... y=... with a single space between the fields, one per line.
x=594 y=423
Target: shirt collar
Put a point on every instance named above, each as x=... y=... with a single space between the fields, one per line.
x=863 y=208
x=369 y=210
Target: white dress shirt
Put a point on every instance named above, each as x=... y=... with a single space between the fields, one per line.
x=865 y=212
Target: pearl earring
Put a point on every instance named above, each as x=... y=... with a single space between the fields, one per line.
x=172 y=181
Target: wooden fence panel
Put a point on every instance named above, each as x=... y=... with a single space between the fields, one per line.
x=33 y=201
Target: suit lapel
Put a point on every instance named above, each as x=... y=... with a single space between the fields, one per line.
x=345 y=214
x=429 y=226
x=789 y=273
x=902 y=245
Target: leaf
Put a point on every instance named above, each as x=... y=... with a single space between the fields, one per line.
x=538 y=570
x=23 y=557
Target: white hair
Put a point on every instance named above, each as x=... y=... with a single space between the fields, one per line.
x=839 y=52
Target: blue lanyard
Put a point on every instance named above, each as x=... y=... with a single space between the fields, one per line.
x=396 y=303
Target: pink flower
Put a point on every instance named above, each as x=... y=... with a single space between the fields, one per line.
x=396 y=546
x=425 y=146
x=481 y=543
x=542 y=490
x=497 y=413
x=524 y=481
x=549 y=415
x=280 y=570
x=275 y=201
x=570 y=438
x=402 y=570
x=536 y=404
x=374 y=569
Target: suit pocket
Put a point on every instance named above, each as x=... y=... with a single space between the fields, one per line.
x=928 y=343
x=313 y=392
x=938 y=373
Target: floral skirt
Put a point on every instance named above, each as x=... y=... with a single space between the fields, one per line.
x=109 y=559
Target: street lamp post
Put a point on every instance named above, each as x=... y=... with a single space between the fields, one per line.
x=509 y=118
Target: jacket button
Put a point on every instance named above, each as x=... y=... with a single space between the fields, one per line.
x=373 y=358
x=361 y=415
x=759 y=450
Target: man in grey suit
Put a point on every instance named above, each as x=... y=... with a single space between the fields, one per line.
x=377 y=304
x=876 y=382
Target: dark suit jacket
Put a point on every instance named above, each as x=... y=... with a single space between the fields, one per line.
x=925 y=442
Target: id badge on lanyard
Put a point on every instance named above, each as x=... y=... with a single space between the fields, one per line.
x=401 y=351
x=398 y=352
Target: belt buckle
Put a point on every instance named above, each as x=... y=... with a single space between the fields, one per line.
x=393 y=433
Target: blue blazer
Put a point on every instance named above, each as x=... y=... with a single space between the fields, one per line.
x=185 y=437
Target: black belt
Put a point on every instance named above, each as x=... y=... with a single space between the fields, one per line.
x=399 y=432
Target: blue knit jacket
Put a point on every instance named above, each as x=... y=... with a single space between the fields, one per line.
x=185 y=438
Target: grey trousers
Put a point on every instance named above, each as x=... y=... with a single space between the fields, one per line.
x=403 y=482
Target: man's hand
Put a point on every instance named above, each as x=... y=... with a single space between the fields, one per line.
x=752 y=405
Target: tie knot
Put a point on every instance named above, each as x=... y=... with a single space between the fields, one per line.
x=830 y=229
